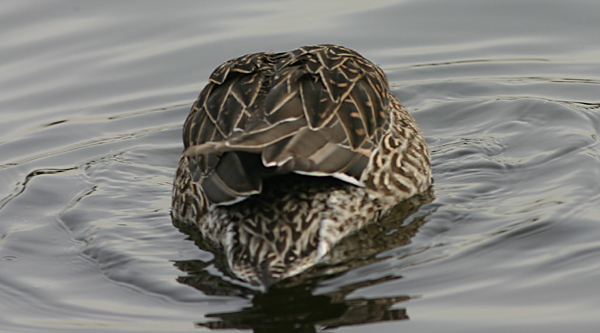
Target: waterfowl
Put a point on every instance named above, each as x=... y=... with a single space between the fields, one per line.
x=287 y=153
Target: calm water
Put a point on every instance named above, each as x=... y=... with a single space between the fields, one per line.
x=93 y=96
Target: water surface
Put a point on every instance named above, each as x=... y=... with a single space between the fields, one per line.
x=93 y=96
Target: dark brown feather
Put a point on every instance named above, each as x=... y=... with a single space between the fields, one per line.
x=315 y=110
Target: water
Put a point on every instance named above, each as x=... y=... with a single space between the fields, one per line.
x=93 y=97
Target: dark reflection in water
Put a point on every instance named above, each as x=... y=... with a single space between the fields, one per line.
x=298 y=310
x=292 y=305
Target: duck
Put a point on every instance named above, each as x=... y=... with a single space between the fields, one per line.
x=287 y=153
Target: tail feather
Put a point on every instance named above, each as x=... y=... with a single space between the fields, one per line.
x=317 y=110
x=237 y=176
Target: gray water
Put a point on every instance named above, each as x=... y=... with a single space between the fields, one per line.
x=93 y=96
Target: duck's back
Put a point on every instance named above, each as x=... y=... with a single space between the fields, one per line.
x=318 y=111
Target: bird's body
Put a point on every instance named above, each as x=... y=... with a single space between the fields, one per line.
x=287 y=153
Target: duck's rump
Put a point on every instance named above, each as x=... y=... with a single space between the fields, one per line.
x=290 y=225
x=317 y=111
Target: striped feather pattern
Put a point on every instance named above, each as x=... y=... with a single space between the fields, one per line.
x=263 y=137
x=317 y=110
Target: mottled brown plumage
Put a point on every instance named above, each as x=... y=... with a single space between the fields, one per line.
x=287 y=153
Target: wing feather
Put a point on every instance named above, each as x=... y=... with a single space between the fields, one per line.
x=317 y=110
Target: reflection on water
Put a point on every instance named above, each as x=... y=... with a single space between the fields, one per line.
x=290 y=305
x=298 y=310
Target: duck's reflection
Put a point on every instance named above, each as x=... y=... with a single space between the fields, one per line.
x=295 y=304
x=298 y=310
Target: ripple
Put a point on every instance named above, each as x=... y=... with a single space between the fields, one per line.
x=94 y=96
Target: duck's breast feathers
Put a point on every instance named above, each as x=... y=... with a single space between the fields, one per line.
x=317 y=109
